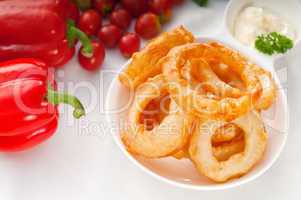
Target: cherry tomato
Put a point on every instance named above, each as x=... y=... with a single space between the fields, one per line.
x=177 y=2
x=159 y=6
x=148 y=25
x=135 y=7
x=129 y=44
x=73 y=12
x=94 y=62
x=104 y=6
x=89 y=22
x=121 y=18
x=110 y=35
x=162 y=8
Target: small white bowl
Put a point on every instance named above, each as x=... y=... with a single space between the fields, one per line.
x=289 y=10
x=182 y=173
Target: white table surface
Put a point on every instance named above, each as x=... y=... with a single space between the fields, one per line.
x=82 y=162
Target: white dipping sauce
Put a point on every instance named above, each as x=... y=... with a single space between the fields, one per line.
x=253 y=21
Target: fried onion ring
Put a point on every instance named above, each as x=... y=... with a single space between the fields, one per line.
x=226 y=74
x=201 y=152
x=201 y=97
x=198 y=69
x=226 y=133
x=144 y=64
x=163 y=139
x=226 y=141
x=258 y=79
x=221 y=152
x=225 y=151
x=189 y=98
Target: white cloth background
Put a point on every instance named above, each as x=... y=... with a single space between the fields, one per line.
x=81 y=161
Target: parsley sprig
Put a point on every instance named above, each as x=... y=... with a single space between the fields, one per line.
x=272 y=43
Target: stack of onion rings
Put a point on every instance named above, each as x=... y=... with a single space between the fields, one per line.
x=199 y=101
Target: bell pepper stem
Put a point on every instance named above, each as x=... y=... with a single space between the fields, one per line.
x=74 y=33
x=57 y=98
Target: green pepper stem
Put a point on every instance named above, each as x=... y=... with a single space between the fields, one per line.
x=74 y=33
x=56 y=98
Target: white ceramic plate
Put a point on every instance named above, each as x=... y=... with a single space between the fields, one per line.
x=182 y=173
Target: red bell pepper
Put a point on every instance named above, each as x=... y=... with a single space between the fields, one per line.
x=37 y=29
x=28 y=111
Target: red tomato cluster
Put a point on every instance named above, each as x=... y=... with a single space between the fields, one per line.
x=107 y=22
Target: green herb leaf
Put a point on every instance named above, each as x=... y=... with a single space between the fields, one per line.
x=273 y=43
x=201 y=2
